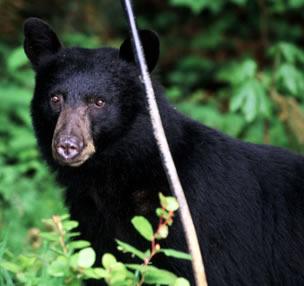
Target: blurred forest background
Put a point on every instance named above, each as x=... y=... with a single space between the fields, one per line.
x=235 y=65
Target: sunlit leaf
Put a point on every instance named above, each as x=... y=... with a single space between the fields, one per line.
x=69 y=225
x=127 y=248
x=175 y=253
x=198 y=5
x=181 y=282
x=291 y=79
x=95 y=273
x=251 y=98
x=162 y=232
x=86 y=257
x=58 y=267
x=10 y=266
x=78 y=244
x=108 y=260
x=153 y=275
x=238 y=72
x=289 y=52
x=168 y=203
x=143 y=226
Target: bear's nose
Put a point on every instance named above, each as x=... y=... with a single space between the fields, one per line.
x=69 y=147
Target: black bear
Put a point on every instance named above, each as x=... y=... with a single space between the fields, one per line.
x=92 y=126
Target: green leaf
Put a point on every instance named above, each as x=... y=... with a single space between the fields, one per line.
x=65 y=217
x=12 y=267
x=69 y=225
x=126 y=248
x=175 y=253
x=86 y=257
x=160 y=212
x=249 y=107
x=174 y=93
x=143 y=226
x=233 y=124
x=248 y=68
x=237 y=100
x=289 y=52
x=181 y=282
x=296 y=3
x=251 y=99
x=74 y=261
x=168 y=203
x=239 y=2
x=162 y=232
x=119 y=274
x=158 y=276
x=255 y=132
x=108 y=260
x=238 y=72
x=195 y=5
x=58 y=267
x=153 y=275
x=26 y=261
x=49 y=236
x=265 y=104
x=78 y=244
x=95 y=273
x=290 y=78
x=277 y=133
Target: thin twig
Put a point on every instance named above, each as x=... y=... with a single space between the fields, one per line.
x=60 y=231
x=167 y=160
x=155 y=247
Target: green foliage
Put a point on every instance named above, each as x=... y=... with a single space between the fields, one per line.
x=198 y=5
x=24 y=180
x=63 y=261
x=288 y=75
x=229 y=75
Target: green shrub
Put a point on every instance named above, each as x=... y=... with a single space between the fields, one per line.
x=59 y=260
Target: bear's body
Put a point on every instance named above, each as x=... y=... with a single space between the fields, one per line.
x=247 y=200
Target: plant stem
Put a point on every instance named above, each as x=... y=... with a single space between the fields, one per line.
x=155 y=246
x=60 y=231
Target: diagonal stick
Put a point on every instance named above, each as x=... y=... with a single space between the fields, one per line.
x=167 y=160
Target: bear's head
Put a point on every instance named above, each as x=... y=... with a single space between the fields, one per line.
x=84 y=99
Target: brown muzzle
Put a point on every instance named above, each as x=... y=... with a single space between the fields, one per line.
x=72 y=141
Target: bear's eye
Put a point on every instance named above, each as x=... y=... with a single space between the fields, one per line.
x=99 y=103
x=55 y=99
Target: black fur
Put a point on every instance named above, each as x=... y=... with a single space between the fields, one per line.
x=247 y=200
x=150 y=44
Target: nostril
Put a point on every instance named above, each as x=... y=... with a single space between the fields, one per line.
x=72 y=147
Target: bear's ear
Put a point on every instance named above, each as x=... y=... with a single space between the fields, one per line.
x=40 y=40
x=150 y=43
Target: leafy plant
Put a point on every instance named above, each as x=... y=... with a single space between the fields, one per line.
x=198 y=5
x=249 y=94
x=25 y=181
x=60 y=260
